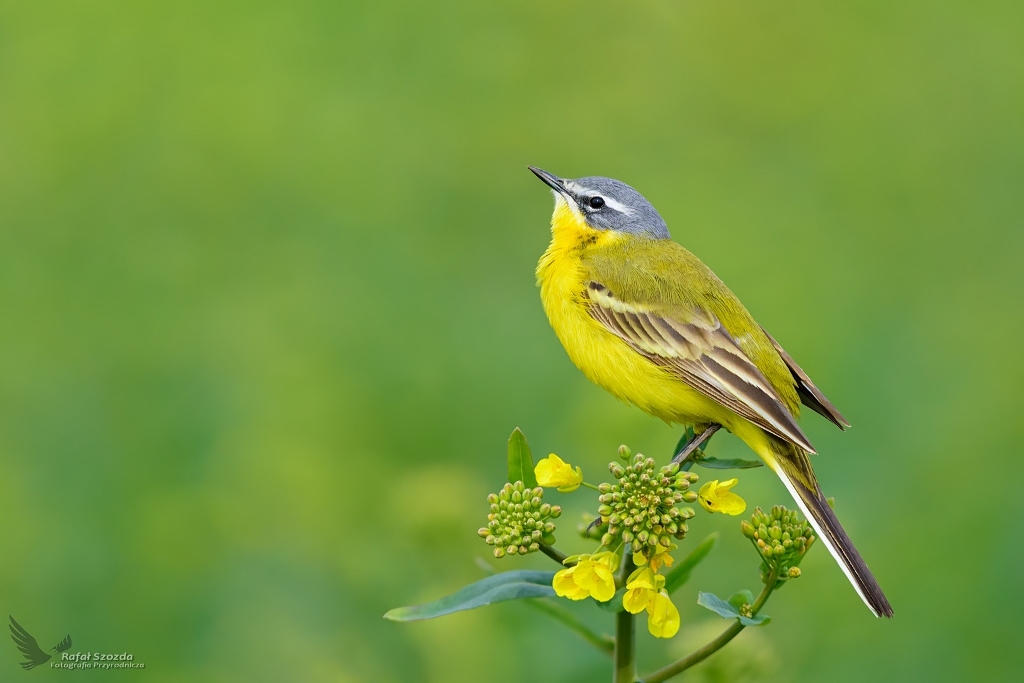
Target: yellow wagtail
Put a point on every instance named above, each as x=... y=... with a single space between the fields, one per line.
x=645 y=319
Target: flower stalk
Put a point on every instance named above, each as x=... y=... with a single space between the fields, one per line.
x=640 y=519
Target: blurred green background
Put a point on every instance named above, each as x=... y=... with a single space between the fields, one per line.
x=269 y=315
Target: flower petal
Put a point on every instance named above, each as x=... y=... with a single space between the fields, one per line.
x=635 y=600
x=730 y=503
x=663 y=617
x=547 y=470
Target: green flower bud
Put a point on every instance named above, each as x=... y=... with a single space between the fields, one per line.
x=499 y=552
x=617 y=471
x=556 y=511
x=748 y=529
x=492 y=499
x=625 y=453
x=794 y=572
x=483 y=533
x=690 y=497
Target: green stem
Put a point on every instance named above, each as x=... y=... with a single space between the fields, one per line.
x=605 y=644
x=718 y=643
x=625 y=629
x=625 y=648
x=590 y=486
x=555 y=554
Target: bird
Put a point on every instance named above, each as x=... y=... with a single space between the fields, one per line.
x=30 y=648
x=646 y=320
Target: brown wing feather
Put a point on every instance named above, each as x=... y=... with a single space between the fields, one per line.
x=810 y=395
x=703 y=354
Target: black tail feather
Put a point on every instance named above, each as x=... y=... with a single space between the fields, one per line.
x=839 y=544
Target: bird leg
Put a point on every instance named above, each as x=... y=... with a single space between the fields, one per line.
x=691 y=446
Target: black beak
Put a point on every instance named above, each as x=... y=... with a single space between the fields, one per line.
x=553 y=181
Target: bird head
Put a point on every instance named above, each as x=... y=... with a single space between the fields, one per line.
x=604 y=204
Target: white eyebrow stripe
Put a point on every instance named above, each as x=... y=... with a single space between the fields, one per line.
x=578 y=189
x=618 y=206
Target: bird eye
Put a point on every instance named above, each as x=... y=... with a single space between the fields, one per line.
x=596 y=202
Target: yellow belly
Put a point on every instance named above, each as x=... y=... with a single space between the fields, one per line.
x=606 y=359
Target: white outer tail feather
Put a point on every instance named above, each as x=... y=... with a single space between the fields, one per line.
x=823 y=537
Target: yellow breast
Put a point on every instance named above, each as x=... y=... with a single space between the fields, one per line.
x=604 y=358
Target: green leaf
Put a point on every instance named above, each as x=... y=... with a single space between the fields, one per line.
x=717 y=605
x=681 y=573
x=729 y=463
x=615 y=604
x=741 y=598
x=514 y=585
x=728 y=611
x=520 y=461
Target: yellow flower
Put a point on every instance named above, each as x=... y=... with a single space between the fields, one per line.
x=662 y=616
x=658 y=560
x=591 y=577
x=565 y=585
x=552 y=471
x=639 y=591
x=661 y=557
x=715 y=497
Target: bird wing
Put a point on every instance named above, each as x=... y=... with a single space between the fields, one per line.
x=28 y=646
x=695 y=346
x=810 y=395
x=64 y=644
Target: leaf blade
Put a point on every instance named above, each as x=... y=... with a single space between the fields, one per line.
x=717 y=605
x=729 y=463
x=514 y=585
x=520 y=460
x=728 y=611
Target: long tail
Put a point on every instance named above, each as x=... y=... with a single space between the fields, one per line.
x=793 y=467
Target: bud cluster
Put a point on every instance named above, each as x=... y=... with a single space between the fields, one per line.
x=781 y=537
x=641 y=506
x=519 y=521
